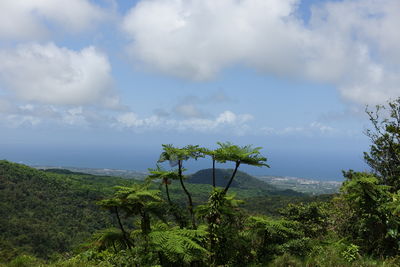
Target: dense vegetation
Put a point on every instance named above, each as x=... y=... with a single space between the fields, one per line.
x=46 y=213
x=161 y=226
x=50 y=212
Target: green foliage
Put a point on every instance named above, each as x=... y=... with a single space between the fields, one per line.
x=111 y=238
x=245 y=154
x=384 y=155
x=180 y=245
x=286 y=260
x=46 y=213
x=136 y=200
x=273 y=204
x=165 y=176
x=328 y=255
x=271 y=237
x=174 y=154
x=351 y=253
x=313 y=217
x=223 y=219
x=25 y=261
x=369 y=217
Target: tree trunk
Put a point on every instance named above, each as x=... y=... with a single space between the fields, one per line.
x=124 y=234
x=145 y=224
x=167 y=191
x=145 y=227
x=190 y=202
x=233 y=176
x=213 y=171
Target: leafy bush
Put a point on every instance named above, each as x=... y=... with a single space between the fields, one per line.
x=24 y=261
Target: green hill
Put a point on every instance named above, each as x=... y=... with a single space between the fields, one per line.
x=242 y=181
x=44 y=213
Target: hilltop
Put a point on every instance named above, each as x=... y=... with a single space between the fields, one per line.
x=242 y=179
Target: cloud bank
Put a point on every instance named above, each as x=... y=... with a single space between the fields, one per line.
x=352 y=45
x=55 y=75
x=236 y=123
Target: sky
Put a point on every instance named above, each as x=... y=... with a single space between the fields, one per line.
x=104 y=83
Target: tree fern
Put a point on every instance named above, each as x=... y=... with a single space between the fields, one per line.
x=270 y=237
x=177 y=245
x=109 y=238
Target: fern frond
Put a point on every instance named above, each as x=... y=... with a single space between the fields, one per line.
x=180 y=244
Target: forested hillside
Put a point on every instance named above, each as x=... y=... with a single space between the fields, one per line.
x=44 y=213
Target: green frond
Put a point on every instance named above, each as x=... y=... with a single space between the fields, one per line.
x=174 y=154
x=163 y=175
x=135 y=200
x=110 y=203
x=107 y=238
x=245 y=154
x=180 y=244
x=275 y=229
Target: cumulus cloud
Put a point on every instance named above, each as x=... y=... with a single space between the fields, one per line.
x=55 y=75
x=197 y=38
x=352 y=45
x=354 y=48
x=27 y=19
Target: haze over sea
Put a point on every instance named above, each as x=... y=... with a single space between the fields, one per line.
x=317 y=165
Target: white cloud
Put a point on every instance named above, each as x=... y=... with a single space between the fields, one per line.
x=352 y=45
x=53 y=116
x=27 y=19
x=42 y=115
x=54 y=75
x=314 y=128
x=197 y=38
x=356 y=48
x=223 y=121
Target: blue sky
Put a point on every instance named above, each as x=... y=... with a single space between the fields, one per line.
x=105 y=83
